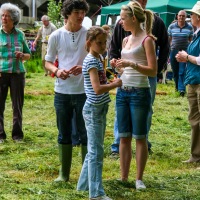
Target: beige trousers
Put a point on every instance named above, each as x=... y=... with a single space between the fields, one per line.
x=194 y=119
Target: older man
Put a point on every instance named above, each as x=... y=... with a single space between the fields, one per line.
x=159 y=30
x=180 y=35
x=44 y=31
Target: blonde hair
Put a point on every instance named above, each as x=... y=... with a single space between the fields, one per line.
x=92 y=34
x=133 y=8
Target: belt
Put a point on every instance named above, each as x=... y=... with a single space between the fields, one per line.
x=128 y=88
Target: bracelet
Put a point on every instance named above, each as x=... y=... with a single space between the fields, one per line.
x=56 y=72
x=187 y=59
x=135 y=66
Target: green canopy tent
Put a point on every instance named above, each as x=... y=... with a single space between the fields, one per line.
x=166 y=9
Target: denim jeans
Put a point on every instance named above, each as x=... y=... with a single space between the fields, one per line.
x=65 y=104
x=133 y=107
x=115 y=145
x=91 y=173
x=153 y=84
x=179 y=70
x=75 y=135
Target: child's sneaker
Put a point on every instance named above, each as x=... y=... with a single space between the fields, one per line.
x=140 y=185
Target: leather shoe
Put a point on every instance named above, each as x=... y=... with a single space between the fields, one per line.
x=190 y=161
x=2 y=141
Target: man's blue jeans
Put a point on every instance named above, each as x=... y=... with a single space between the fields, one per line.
x=91 y=173
x=179 y=70
x=64 y=106
x=115 y=145
x=75 y=136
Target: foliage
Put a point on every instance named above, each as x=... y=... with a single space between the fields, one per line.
x=54 y=13
x=27 y=170
x=35 y=63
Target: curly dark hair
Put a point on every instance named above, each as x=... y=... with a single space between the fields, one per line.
x=69 y=5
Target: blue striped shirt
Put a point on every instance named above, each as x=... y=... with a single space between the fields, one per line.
x=91 y=62
x=180 y=36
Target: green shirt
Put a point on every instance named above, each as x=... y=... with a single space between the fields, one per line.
x=9 y=43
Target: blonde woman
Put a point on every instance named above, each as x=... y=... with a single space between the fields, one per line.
x=133 y=99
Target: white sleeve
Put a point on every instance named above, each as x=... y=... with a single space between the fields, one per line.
x=51 y=49
x=198 y=60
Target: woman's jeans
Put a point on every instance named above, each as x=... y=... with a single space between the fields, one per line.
x=133 y=107
x=179 y=70
x=91 y=173
x=65 y=104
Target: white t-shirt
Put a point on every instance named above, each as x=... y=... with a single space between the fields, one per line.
x=69 y=47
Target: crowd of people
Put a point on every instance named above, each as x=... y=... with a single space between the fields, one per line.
x=137 y=51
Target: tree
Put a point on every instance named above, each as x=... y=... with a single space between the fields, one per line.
x=54 y=13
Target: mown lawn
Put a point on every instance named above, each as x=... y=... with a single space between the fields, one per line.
x=27 y=170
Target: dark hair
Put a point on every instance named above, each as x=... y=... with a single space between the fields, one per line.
x=69 y=5
x=92 y=34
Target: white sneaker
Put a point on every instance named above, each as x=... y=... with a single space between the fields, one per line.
x=101 y=198
x=140 y=185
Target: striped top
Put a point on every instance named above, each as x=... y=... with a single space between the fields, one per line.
x=92 y=62
x=180 y=36
x=9 y=43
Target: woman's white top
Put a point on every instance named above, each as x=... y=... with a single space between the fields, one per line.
x=130 y=76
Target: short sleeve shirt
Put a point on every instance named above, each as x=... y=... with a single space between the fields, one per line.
x=9 y=43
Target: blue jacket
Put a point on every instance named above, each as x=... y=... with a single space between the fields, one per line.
x=193 y=71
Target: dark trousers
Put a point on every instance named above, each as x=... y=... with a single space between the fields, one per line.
x=16 y=83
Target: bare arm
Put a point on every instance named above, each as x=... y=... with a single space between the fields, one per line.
x=151 y=68
x=21 y=55
x=98 y=88
x=183 y=56
x=170 y=40
x=60 y=73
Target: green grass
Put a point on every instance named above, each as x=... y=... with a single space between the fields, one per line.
x=27 y=170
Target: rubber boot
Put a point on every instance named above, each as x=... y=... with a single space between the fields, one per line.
x=83 y=152
x=65 y=155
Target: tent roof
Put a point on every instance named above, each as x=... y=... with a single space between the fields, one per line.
x=167 y=9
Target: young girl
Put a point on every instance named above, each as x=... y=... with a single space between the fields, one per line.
x=94 y=112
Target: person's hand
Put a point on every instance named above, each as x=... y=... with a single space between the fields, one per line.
x=122 y=63
x=34 y=44
x=19 y=55
x=117 y=82
x=63 y=74
x=181 y=56
x=76 y=70
x=113 y=62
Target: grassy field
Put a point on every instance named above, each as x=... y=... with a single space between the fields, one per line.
x=27 y=170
